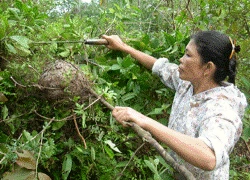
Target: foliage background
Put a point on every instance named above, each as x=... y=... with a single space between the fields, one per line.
x=159 y=27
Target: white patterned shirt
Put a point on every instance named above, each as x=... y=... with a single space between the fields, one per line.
x=214 y=116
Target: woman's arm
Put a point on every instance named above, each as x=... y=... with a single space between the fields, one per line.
x=192 y=150
x=116 y=43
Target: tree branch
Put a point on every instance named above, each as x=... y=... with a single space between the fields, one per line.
x=187 y=7
x=132 y=157
x=146 y=136
x=78 y=132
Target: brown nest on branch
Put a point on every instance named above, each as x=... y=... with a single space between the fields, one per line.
x=62 y=80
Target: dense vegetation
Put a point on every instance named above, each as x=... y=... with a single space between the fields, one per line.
x=40 y=135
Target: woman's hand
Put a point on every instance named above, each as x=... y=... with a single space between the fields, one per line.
x=127 y=114
x=193 y=150
x=115 y=42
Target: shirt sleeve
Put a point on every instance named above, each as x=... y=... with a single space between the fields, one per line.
x=168 y=73
x=221 y=131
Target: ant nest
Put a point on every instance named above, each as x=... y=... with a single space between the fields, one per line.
x=63 y=80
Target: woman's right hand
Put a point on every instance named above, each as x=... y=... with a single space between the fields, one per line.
x=127 y=114
x=115 y=42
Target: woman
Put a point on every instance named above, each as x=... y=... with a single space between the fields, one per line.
x=205 y=122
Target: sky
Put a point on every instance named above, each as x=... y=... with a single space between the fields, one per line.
x=87 y=1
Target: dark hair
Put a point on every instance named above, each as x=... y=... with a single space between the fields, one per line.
x=216 y=47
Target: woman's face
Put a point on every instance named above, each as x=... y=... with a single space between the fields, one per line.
x=191 y=67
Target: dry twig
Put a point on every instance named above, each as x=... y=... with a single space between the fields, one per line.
x=16 y=83
x=40 y=147
x=35 y=85
x=246 y=145
x=78 y=132
x=56 y=120
x=132 y=157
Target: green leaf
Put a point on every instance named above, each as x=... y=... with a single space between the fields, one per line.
x=57 y=125
x=84 y=120
x=127 y=62
x=111 y=10
x=67 y=166
x=163 y=162
x=115 y=67
x=245 y=81
x=156 y=111
x=12 y=23
x=156 y=161
x=120 y=60
x=175 y=49
x=3 y=138
x=128 y=96
x=23 y=51
x=92 y=153
x=246 y=134
x=65 y=53
x=27 y=135
x=66 y=25
x=122 y=164
x=134 y=76
x=11 y=48
x=79 y=149
x=15 y=12
x=5 y=112
x=151 y=166
x=109 y=152
x=3 y=25
x=3 y=148
x=21 y=40
x=100 y=136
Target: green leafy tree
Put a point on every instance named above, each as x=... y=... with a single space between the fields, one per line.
x=34 y=34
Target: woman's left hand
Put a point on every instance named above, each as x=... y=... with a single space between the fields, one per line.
x=127 y=114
